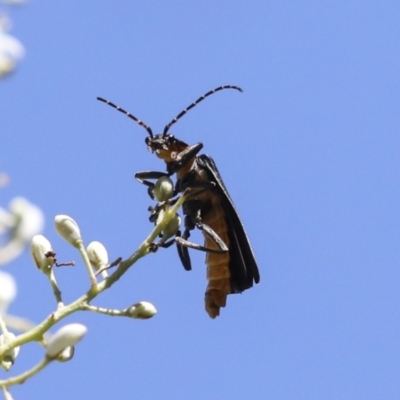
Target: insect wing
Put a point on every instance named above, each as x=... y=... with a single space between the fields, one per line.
x=242 y=265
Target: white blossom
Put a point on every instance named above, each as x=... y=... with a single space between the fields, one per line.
x=142 y=310
x=97 y=254
x=65 y=337
x=11 y=49
x=68 y=229
x=9 y=357
x=40 y=251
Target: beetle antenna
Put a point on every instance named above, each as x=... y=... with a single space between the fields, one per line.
x=182 y=113
x=128 y=114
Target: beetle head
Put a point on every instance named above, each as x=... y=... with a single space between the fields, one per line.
x=165 y=146
x=163 y=142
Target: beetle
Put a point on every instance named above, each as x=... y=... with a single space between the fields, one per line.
x=231 y=265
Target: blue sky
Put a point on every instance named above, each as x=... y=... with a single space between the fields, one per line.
x=309 y=152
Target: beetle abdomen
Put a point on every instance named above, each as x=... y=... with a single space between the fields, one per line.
x=218 y=274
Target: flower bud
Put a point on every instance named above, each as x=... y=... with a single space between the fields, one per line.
x=8 y=358
x=142 y=310
x=66 y=354
x=68 y=229
x=65 y=337
x=163 y=189
x=42 y=253
x=28 y=219
x=97 y=254
x=11 y=51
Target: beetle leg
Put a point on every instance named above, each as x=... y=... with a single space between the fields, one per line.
x=187 y=154
x=155 y=246
x=144 y=175
x=184 y=257
x=182 y=241
x=185 y=243
x=183 y=251
x=223 y=248
x=140 y=176
x=182 y=245
x=184 y=157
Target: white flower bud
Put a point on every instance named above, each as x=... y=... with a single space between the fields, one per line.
x=65 y=337
x=42 y=253
x=29 y=219
x=142 y=310
x=66 y=354
x=163 y=189
x=97 y=254
x=7 y=65
x=8 y=358
x=68 y=229
x=8 y=290
x=11 y=52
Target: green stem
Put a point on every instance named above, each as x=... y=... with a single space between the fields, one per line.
x=86 y=261
x=36 y=334
x=144 y=247
x=7 y=394
x=54 y=286
x=102 y=310
x=17 y=380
